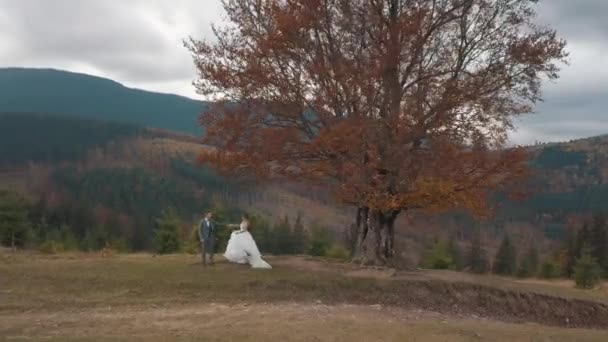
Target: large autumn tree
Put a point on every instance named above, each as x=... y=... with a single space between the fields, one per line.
x=394 y=104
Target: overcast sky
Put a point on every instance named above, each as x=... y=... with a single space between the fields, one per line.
x=139 y=43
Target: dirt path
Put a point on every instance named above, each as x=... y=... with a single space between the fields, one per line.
x=285 y=322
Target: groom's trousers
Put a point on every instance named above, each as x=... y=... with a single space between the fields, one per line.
x=207 y=248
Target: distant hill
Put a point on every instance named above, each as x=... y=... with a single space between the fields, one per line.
x=50 y=91
x=104 y=144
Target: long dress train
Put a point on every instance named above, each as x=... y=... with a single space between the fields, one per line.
x=242 y=249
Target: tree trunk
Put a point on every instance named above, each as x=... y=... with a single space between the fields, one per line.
x=380 y=248
x=390 y=233
x=380 y=238
x=362 y=225
x=13 y=242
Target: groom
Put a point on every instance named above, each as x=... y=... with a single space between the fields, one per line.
x=206 y=233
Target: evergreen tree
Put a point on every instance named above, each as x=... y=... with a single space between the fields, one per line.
x=583 y=238
x=167 y=233
x=438 y=256
x=528 y=267
x=299 y=236
x=68 y=239
x=455 y=252
x=587 y=272
x=321 y=241
x=568 y=259
x=223 y=215
x=478 y=262
x=505 y=261
x=14 y=224
x=550 y=269
x=283 y=237
x=599 y=241
x=262 y=234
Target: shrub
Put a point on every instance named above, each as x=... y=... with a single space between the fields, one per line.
x=550 y=270
x=587 y=272
x=119 y=246
x=166 y=237
x=438 y=257
x=528 y=266
x=338 y=252
x=193 y=244
x=321 y=241
x=505 y=261
x=68 y=239
x=455 y=252
x=14 y=223
x=51 y=247
x=477 y=259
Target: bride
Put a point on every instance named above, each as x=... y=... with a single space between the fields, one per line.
x=242 y=249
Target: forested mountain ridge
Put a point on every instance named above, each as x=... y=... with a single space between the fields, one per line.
x=49 y=91
x=92 y=182
x=106 y=138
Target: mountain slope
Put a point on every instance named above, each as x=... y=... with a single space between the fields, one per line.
x=51 y=91
x=570 y=180
x=89 y=182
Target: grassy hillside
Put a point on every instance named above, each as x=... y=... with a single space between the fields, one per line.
x=101 y=155
x=60 y=92
x=139 y=297
x=131 y=170
x=569 y=181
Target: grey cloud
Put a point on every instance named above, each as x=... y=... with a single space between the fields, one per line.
x=580 y=19
x=138 y=43
x=575 y=105
x=133 y=40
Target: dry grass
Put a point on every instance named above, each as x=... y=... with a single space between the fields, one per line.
x=273 y=322
x=559 y=288
x=140 y=297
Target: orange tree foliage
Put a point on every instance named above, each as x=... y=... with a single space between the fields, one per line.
x=395 y=104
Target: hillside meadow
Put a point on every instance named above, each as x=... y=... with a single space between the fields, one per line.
x=95 y=297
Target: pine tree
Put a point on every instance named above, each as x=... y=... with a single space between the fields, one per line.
x=583 y=238
x=455 y=252
x=283 y=237
x=587 y=272
x=438 y=256
x=569 y=255
x=599 y=241
x=14 y=224
x=321 y=240
x=550 y=269
x=262 y=233
x=299 y=236
x=167 y=233
x=528 y=267
x=505 y=261
x=478 y=261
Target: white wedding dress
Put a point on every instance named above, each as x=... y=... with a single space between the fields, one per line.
x=242 y=249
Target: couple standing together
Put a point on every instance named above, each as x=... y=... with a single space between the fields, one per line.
x=241 y=248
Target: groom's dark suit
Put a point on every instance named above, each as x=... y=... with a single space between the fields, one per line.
x=206 y=232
